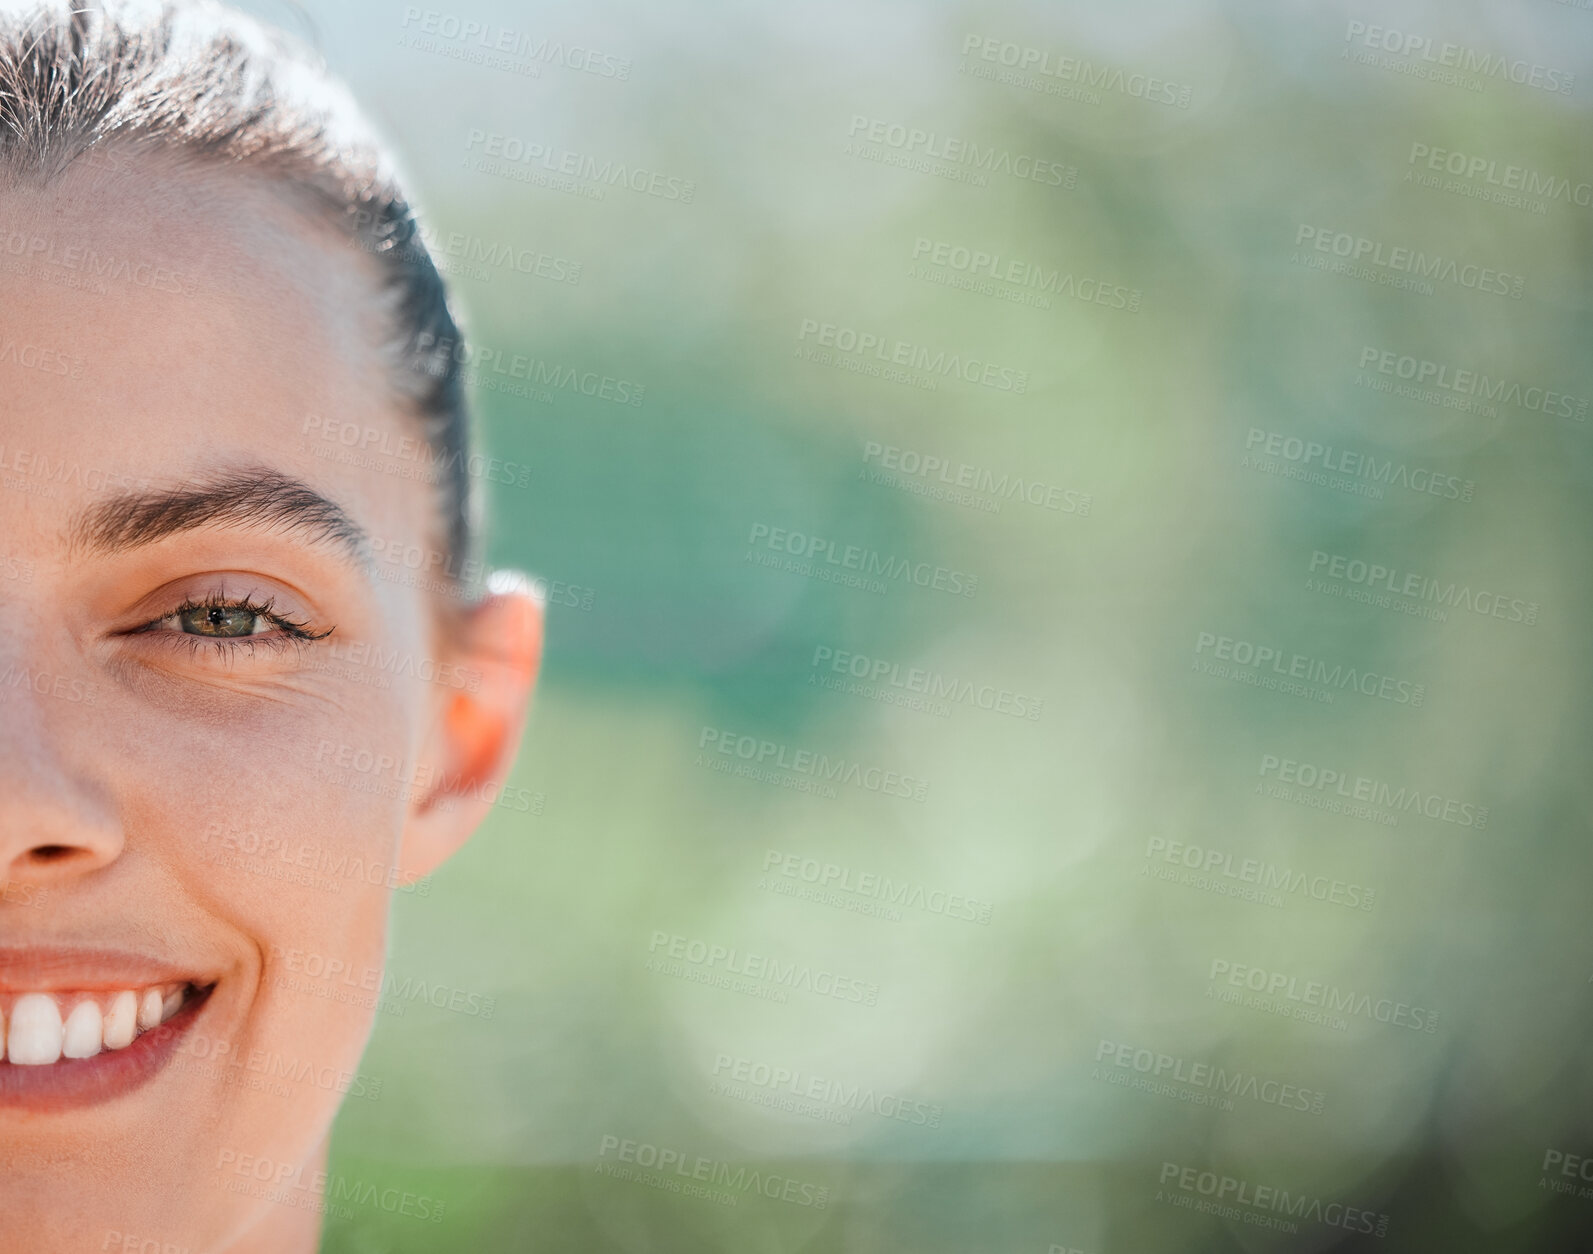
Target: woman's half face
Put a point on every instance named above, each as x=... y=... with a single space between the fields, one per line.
x=218 y=699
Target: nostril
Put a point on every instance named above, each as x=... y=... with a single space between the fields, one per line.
x=50 y=853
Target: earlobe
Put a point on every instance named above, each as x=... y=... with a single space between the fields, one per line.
x=476 y=729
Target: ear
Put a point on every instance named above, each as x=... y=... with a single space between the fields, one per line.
x=476 y=722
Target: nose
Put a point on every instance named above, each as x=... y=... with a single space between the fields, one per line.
x=56 y=823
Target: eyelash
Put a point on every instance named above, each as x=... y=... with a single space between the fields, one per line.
x=290 y=632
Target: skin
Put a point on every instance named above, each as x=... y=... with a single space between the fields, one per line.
x=112 y=809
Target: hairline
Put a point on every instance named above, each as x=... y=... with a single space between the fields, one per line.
x=221 y=92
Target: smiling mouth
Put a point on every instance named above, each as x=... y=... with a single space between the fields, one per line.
x=69 y=1048
x=37 y=1029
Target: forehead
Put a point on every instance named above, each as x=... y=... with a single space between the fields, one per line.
x=213 y=256
x=163 y=319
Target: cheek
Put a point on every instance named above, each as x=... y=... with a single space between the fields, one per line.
x=272 y=824
x=279 y=820
x=259 y=788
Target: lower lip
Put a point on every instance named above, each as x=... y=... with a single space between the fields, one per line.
x=74 y=1082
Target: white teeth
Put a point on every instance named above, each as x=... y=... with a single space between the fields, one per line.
x=85 y=1031
x=149 y=1009
x=35 y=1035
x=46 y=1027
x=121 y=1020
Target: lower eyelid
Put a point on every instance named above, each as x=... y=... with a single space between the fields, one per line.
x=228 y=646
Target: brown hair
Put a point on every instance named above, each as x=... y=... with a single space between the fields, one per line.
x=114 y=78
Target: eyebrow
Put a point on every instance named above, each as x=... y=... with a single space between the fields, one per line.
x=255 y=497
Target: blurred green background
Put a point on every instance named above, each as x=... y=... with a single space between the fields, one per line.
x=749 y=190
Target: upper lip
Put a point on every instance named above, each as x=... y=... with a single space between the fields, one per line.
x=44 y=969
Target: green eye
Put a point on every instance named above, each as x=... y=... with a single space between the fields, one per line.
x=219 y=620
x=230 y=623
